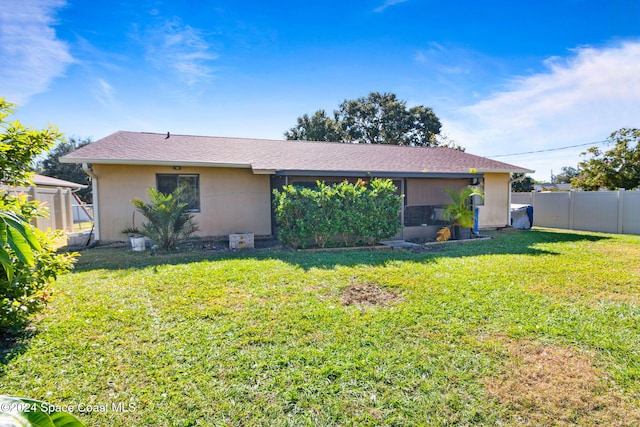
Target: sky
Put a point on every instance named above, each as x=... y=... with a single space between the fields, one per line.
x=532 y=83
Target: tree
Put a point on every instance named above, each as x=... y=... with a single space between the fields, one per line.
x=318 y=127
x=375 y=119
x=567 y=173
x=73 y=172
x=28 y=260
x=521 y=183
x=618 y=167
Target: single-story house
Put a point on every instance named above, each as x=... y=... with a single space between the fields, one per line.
x=551 y=187
x=231 y=180
x=56 y=195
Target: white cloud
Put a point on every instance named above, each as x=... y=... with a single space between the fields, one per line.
x=579 y=99
x=386 y=4
x=181 y=49
x=31 y=55
x=104 y=92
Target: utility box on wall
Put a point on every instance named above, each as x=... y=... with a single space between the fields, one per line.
x=241 y=241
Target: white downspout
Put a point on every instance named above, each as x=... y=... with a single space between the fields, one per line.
x=96 y=208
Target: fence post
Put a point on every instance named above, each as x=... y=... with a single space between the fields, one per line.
x=620 y=210
x=571 y=210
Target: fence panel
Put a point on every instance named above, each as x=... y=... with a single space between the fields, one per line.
x=552 y=209
x=595 y=211
x=604 y=211
x=631 y=212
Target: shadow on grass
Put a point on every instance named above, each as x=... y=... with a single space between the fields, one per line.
x=514 y=242
x=13 y=343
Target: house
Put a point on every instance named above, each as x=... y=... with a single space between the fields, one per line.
x=231 y=180
x=551 y=187
x=56 y=195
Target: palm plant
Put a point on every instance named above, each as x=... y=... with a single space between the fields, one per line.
x=168 y=218
x=458 y=211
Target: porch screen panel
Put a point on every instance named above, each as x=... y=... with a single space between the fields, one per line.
x=430 y=191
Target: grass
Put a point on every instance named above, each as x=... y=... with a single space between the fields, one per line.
x=534 y=328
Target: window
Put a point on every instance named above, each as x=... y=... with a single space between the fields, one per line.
x=168 y=183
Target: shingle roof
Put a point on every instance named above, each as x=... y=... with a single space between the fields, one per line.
x=268 y=156
x=55 y=182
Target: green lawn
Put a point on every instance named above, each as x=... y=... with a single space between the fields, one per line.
x=534 y=328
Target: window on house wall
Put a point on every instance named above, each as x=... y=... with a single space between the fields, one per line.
x=168 y=183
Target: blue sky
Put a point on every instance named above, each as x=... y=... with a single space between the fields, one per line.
x=504 y=76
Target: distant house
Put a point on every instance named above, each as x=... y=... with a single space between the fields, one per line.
x=231 y=180
x=56 y=195
x=551 y=187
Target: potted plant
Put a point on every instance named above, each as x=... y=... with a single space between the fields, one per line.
x=137 y=239
x=459 y=214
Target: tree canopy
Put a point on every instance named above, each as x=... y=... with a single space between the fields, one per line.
x=51 y=166
x=379 y=118
x=618 y=167
x=567 y=173
x=521 y=183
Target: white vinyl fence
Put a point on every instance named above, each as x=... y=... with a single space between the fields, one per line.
x=56 y=200
x=604 y=211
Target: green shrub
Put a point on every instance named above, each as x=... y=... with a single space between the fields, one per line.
x=168 y=219
x=380 y=212
x=354 y=212
x=28 y=259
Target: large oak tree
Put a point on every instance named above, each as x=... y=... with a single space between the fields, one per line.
x=379 y=118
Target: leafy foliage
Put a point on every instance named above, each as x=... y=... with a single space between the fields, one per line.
x=168 y=219
x=318 y=127
x=379 y=118
x=618 y=167
x=28 y=259
x=567 y=173
x=524 y=185
x=458 y=211
x=72 y=172
x=354 y=212
x=33 y=413
x=19 y=146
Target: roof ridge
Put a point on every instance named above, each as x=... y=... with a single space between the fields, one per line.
x=302 y=141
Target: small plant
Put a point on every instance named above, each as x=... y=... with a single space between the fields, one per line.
x=132 y=231
x=458 y=213
x=168 y=219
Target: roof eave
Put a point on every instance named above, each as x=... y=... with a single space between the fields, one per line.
x=521 y=170
x=138 y=162
x=378 y=174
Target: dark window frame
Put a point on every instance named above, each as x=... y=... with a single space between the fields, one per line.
x=193 y=199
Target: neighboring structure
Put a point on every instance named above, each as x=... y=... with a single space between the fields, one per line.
x=56 y=195
x=231 y=179
x=551 y=187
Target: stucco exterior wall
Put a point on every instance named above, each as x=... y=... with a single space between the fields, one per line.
x=231 y=200
x=495 y=212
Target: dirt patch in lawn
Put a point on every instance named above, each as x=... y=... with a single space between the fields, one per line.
x=367 y=294
x=552 y=385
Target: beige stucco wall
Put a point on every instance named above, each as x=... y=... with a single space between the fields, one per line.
x=495 y=212
x=231 y=200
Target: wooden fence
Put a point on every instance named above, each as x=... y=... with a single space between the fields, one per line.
x=604 y=211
